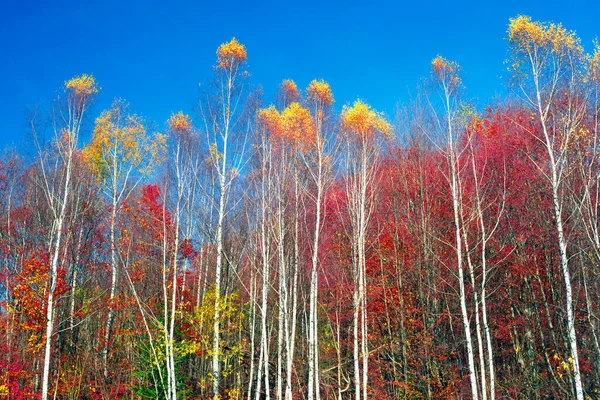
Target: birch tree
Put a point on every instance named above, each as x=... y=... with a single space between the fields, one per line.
x=122 y=154
x=362 y=128
x=319 y=99
x=546 y=65
x=447 y=82
x=67 y=123
x=222 y=112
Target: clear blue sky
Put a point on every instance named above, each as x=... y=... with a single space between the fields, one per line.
x=154 y=53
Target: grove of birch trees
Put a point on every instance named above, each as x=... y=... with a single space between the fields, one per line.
x=295 y=248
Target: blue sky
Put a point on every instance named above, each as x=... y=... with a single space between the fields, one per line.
x=154 y=53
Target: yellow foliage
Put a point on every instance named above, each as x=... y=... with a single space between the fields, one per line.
x=214 y=152
x=82 y=85
x=117 y=138
x=298 y=124
x=527 y=36
x=230 y=54
x=594 y=64
x=524 y=32
x=319 y=92
x=234 y=394
x=364 y=122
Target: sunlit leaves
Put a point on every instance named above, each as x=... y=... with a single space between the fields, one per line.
x=524 y=33
x=364 y=122
x=180 y=123
x=298 y=124
x=445 y=72
x=120 y=137
x=293 y=126
x=288 y=92
x=534 y=43
x=320 y=93
x=527 y=35
x=82 y=85
x=230 y=54
x=594 y=64
x=270 y=118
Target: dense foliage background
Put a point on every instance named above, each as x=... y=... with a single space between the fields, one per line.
x=294 y=251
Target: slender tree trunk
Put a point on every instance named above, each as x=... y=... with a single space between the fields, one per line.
x=57 y=236
x=555 y=182
x=313 y=343
x=216 y=367
x=456 y=207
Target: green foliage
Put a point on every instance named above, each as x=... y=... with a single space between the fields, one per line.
x=152 y=365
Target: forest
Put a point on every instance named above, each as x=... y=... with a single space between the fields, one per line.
x=291 y=248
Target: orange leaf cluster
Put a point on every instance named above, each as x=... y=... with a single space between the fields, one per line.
x=319 y=92
x=180 y=123
x=298 y=125
x=270 y=118
x=288 y=91
x=230 y=54
x=446 y=71
x=364 y=122
x=293 y=126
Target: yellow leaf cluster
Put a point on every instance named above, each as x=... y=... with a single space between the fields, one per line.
x=82 y=86
x=445 y=71
x=523 y=31
x=116 y=138
x=180 y=123
x=230 y=54
x=364 y=122
x=319 y=92
x=294 y=125
x=527 y=35
x=594 y=66
x=298 y=125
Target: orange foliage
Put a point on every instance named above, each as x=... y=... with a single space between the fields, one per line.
x=319 y=92
x=298 y=125
x=288 y=91
x=29 y=297
x=293 y=126
x=180 y=123
x=364 y=122
x=270 y=118
x=230 y=54
x=445 y=72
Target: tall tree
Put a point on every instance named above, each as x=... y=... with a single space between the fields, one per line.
x=362 y=128
x=222 y=114
x=319 y=98
x=67 y=123
x=447 y=82
x=547 y=65
x=122 y=154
